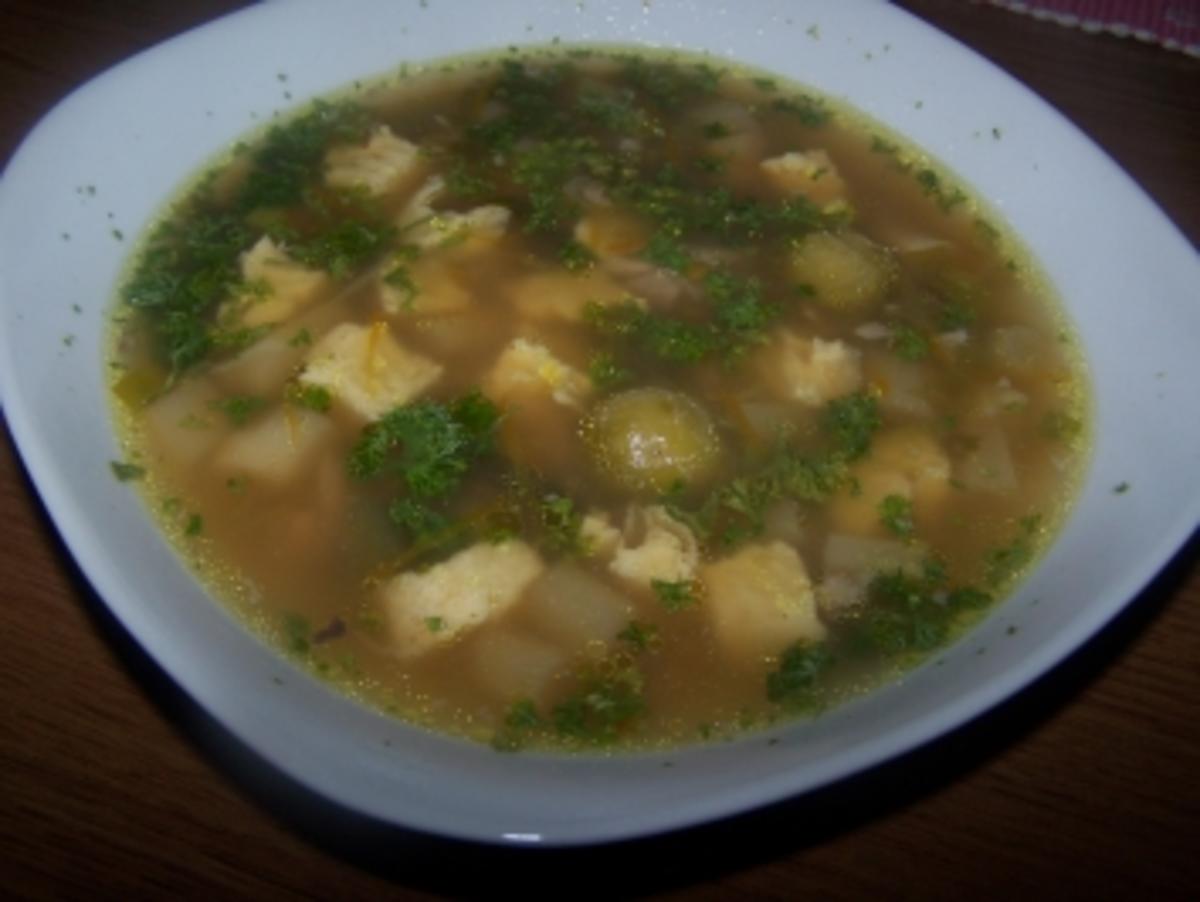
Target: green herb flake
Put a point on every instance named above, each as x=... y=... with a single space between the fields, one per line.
x=676 y=595
x=606 y=701
x=297 y=634
x=239 y=408
x=794 y=683
x=1121 y=488
x=311 y=397
x=126 y=472
x=606 y=373
x=852 y=421
x=194 y=525
x=435 y=624
x=896 y=513
x=642 y=636
x=908 y=344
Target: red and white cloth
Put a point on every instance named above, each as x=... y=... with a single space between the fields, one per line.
x=1172 y=23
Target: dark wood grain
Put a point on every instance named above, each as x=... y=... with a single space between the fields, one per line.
x=112 y=783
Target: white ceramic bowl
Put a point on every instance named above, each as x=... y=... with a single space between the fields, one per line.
x=109 y=154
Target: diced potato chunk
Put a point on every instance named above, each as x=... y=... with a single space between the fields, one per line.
x=600 y=537
x=428 y=609
x=809 y=174
x=563 y=296
x=847 y=271
x=576 y=609
x=920 y=459
x=274 y=449
x=384 y=163
x=989 y=466
x=907 y=462
x=860 y=555
x=281 y=287
x=525 y=365
x=810 y=370
x=858 y=512
x=367 y=371
x=181 y=424
x=511 y=665
x=666 y=549
x=261 y=369
x=760 y=600
x=431 y=289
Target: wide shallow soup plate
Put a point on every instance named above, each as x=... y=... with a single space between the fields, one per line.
x=99 y=167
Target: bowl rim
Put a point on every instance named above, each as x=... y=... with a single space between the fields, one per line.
x=76 y=518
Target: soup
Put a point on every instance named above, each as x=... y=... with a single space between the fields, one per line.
x=584 y=397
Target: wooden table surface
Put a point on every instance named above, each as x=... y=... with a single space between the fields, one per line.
x=113 y=783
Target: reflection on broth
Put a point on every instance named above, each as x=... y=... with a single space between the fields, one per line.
x=586 y=398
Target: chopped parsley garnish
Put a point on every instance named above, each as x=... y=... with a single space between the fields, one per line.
x=126 y=472
x=896 y=513
x=1005 y=562
x=560 y=524
x=297 y=634
x=793 y=684
x=239 y=408
x=641 y=636
x=852 y=421
x=908 y=343
x=575 y=256
x=675 y=595
x=311 y=397
x=428 y=447
x=344 y=248
x=606 y=373
x=913 y=613
x=302 y=339
x=194 y=525
x=735 y=511
x=290 y=156
x=607 y=699
x=665 y=250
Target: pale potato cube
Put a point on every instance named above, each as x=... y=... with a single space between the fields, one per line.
x=760 y=600
x=181 y=424
x=525 y=366
x=433 y=290
x=367 y=371
x=907 y=462
x=562 y=296
x=858 y=511
x=656 y=546
x=429 y=609
x=384 y=163
x=510 y=666
x=918 y=457
x=810 y=370
x=904 y=387
x=274 y=449
x=859 y=555
x=280 y=286
x=262 y=368
x=576 y=609
x=846 y=271
x=809 y=174
x=600 y=537
x=989 y=466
